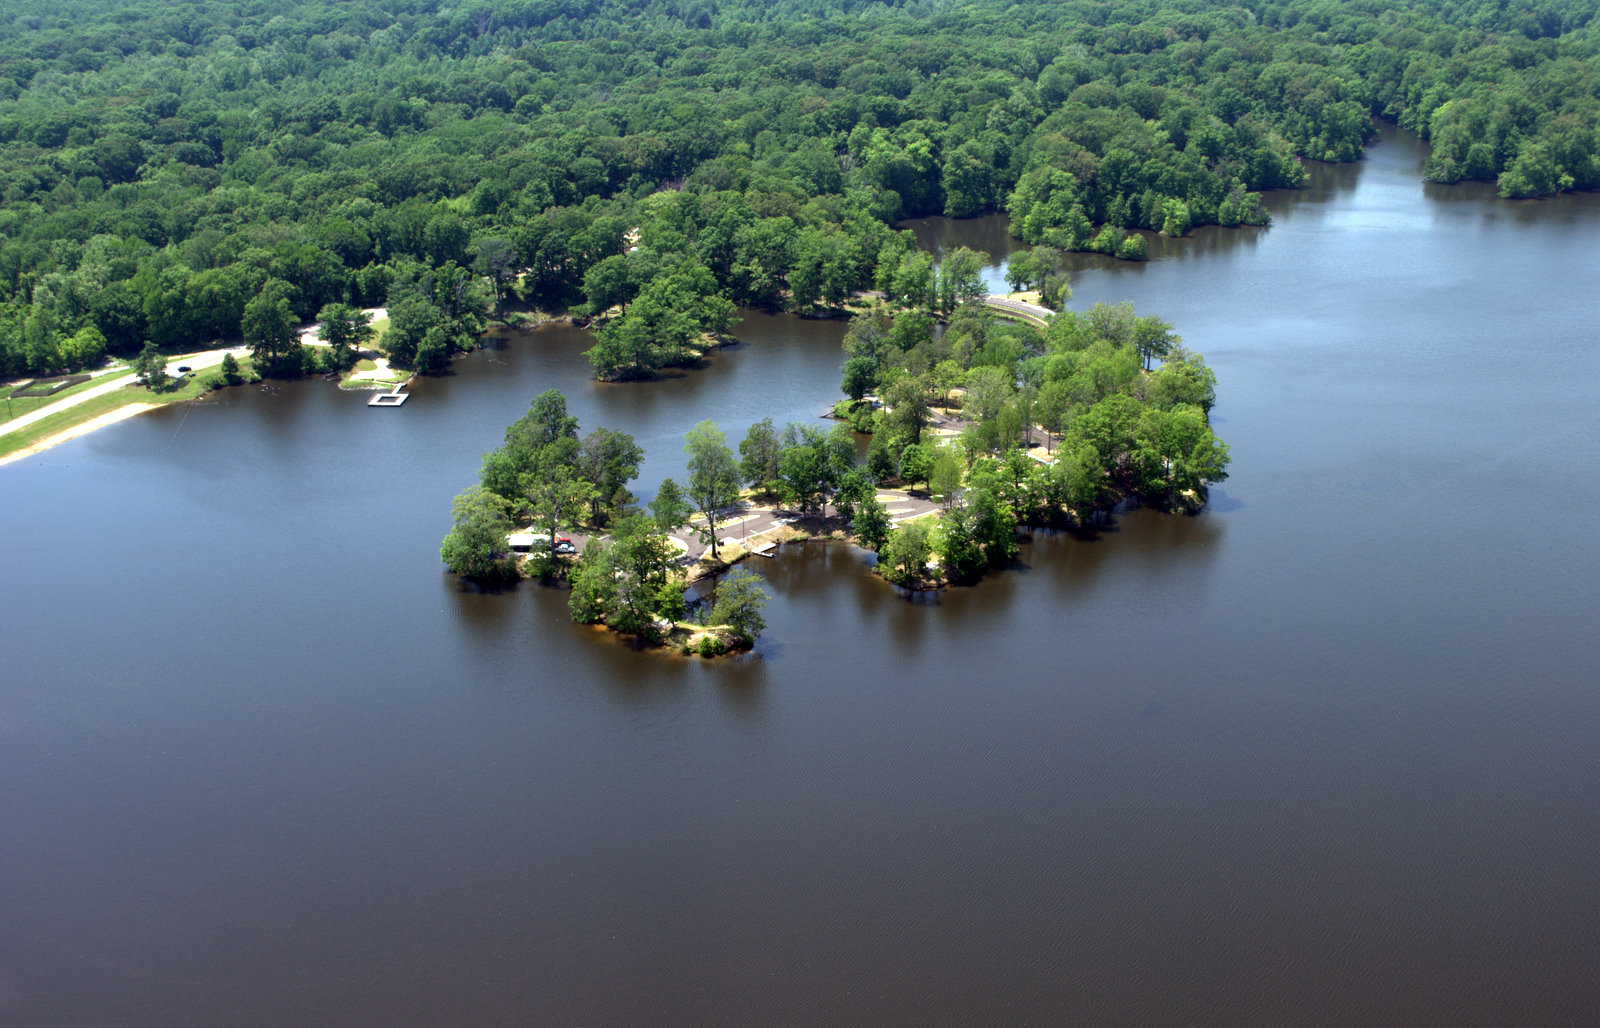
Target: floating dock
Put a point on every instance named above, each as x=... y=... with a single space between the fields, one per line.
x=393 y=399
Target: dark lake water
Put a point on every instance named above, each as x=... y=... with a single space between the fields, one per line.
x=1328 y=753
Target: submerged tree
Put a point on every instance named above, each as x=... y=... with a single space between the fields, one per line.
x=903 y=559
x=739 y=602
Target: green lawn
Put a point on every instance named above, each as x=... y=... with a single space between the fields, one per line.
x=348 y=380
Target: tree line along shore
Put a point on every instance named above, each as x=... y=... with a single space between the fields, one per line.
x=179 y=176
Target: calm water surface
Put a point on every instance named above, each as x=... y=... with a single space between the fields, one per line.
x=1326 y=754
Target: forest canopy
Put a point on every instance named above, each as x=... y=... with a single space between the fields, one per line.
x=165 y=165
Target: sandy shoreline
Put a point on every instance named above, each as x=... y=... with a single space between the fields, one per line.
x=108 y=418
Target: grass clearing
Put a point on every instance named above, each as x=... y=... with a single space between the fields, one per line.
x=347 y=380
x=395 y=377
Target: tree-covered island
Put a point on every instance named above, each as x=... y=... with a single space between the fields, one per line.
x=984 y=429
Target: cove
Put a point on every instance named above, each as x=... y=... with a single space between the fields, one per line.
x=1326 y=747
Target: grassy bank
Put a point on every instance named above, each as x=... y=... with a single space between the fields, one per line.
x=16 y=407
x=192 y=387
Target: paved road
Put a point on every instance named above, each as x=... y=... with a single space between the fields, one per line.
x=1028 y=310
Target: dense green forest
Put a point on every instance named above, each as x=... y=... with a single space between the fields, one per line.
x=164 y=166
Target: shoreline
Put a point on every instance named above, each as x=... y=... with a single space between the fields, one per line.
x=198 y=361
x=83 y=428
x=203 y=360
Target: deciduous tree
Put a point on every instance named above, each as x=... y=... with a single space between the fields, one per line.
x=713 y=476
x=151 y=367
x=871 y=524
x=759 y=453
x=269 y=330
x=345 y=329
x=670 y=507
x=903 y=559
x=476 y=546
x=739 y=602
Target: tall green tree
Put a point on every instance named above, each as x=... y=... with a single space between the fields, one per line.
x=956 y=542
x=608 y=460
x=916 y=464
x=269 y=330
x=713 y=477
x=960 y=279
x=804 y=468
x=871 y=524
x=946 y=474
x=903 y=559
x=497 y=261
x=759 y=453
x=592 y=598
x=670 y=507
x=906 y=407
x=556 y=496
x=853 y=488
x=151 y=367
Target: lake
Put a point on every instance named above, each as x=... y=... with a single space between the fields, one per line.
x=1324 y=754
